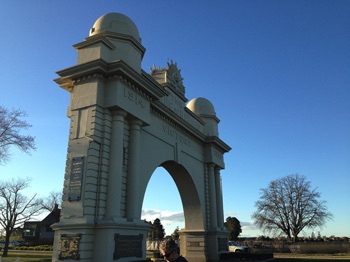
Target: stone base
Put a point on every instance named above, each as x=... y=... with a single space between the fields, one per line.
x=106 y=241
x=203 y=246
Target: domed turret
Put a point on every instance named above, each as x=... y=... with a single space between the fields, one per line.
x=113 y=37
x=115 y=23
x=203 y=108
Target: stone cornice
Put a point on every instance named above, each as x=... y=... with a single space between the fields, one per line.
x=100 y=68
x=93 y=40
x=68 y=76
x=174 y=90
x=180 y=124
x=177 y=122
x=216 y=141
x=103 y=37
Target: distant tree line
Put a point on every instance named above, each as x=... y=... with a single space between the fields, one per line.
x=310 y=238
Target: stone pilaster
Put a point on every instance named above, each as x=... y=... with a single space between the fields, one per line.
x=212 y=197
x=219 y=205
x=132 y=208
x=115 y=166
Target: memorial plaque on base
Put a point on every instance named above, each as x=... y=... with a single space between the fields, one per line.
x=70 y=247
x=127 y=246
x=76 y=177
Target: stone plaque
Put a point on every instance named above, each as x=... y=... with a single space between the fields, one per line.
x=127 y=246
x=70 y=247
x=76 y=177
x=194 y=244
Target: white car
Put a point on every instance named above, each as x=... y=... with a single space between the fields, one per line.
x=233 y=246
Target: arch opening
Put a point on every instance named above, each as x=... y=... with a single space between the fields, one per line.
x=162 y=200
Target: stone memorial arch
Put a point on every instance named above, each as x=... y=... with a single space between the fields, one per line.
x=124 y=124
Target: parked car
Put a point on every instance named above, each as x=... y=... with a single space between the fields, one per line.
x=234 y=246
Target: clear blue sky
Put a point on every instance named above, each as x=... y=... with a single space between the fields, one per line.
x=277 y=72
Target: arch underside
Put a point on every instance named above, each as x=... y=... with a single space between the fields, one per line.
x=193 y=210
x=187 y=180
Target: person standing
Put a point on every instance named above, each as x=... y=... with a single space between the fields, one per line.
x=170 y=251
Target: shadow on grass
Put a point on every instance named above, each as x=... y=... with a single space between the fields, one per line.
x=309 y=260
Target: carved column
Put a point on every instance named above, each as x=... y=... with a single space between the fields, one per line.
x=212 y=197
x=132 y=205
x=115 y=172
x=219 y=206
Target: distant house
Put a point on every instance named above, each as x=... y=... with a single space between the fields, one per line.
x=40 y=232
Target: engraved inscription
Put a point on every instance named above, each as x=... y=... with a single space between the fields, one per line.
x=70 y=247
x=177 y=106
x=218 y=155
x=133 y=97
x=127 y=246
x=173 y=133
x=76 y=177
x=194 y=244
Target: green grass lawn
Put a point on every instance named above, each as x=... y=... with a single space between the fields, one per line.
x=40 y=256
x=287 y=257
x=307 y=259
x=279 y=257
x=33 y=256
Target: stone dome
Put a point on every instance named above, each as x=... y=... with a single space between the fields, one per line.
x=116 y=23
x=201 y=106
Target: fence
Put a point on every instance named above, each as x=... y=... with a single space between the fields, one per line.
x=299 y=247
x=152 y=245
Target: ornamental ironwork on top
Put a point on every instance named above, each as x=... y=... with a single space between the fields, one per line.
x=170 y=76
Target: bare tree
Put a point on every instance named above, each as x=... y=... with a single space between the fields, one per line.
x=50 y=202
x=289 y=205
x=15 y=208
x=11 y=124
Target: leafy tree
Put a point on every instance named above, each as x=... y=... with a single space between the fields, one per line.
x=289 y=205
x=11 y=124
x=233 y=226
x=156 y=231
x=159 y=229
x=313 y=237
x=149 y=234
x=15 y=208
x=175 y=235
